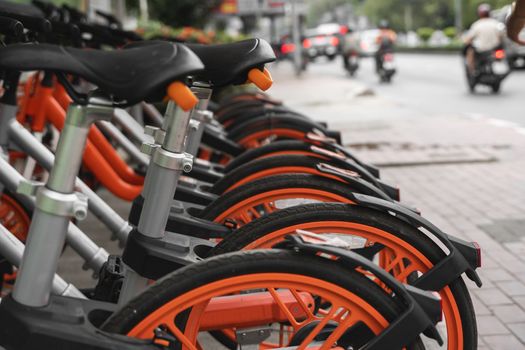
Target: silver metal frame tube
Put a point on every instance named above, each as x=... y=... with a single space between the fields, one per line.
x=203 y=93
x=157 y=203
x=49 y=224
x=26 y=141
x=176 y=131
x=126 y=121
x=198 y=121
x=93 y=255
x=121 y=140
x=12 y=249
x=161 y=183
x=193 y=140
x=67 y=163
x=40 y=260
x=7 y=113
x=153 y=113
x=137 y=113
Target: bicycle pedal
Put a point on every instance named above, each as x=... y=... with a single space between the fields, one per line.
x=109 y=284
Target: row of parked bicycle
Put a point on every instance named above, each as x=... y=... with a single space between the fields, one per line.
x=251 y=226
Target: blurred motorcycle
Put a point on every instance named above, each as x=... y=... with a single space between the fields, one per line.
x=385 y=65
x=491 y=69
x=351 y=62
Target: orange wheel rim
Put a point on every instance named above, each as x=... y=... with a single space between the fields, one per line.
x=265 y=203
x=283 y=170
x=261 y=137
x=347 y=308
x=13 y=217
x=393 y=259
x=292 y=152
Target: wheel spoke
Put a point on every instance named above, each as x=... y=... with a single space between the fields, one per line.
x=245 y=217
x=181 y=337
x=305 y=307
x=338 y=332
x=269 y=207
x=255 y=213
x=404 y=273
x=311 y=336
x=392 y=263
x=341 y=315
x=283 y=307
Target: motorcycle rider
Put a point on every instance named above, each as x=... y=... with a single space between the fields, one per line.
x=386 y=40
x=484 y=35
x=516 y=21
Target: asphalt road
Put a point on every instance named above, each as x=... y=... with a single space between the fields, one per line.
x=435 y=84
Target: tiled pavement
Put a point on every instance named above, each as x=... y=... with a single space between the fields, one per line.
x=481 y=202
x=465 y=173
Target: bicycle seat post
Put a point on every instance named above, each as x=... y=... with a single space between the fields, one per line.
x=199 y=118
x=168 y=161
x=8 y=109
x=56 y=204
x=166 y=165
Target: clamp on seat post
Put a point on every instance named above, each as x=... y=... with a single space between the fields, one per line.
x=167 y=163
x=179 y=161
x=167 y=150
x=193 y=140
x=168 y=160
x=56 y=203
x=58 y=197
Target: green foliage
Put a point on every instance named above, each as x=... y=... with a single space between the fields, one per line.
x=180 y=13
x=471 y=6
x=154 y=29
x=425 y=33
x=450 y=32
x=435 y=13
x=56 y=2
x=318 y=7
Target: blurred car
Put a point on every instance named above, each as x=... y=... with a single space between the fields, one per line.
x=317 y=44
x=285 y=48
x=368 y=44
x=515 y=52
x=328 y=28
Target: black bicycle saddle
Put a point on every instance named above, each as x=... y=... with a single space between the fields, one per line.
x=227 y=64
x=129 y=76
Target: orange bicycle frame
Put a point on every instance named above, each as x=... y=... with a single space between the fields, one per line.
x=99 y=157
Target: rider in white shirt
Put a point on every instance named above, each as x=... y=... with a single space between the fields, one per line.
x=485 y=34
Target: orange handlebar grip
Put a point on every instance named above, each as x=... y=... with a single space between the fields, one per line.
x=261 y=79
x=182 y=95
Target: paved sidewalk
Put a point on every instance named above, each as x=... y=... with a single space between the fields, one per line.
x=465 y=173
